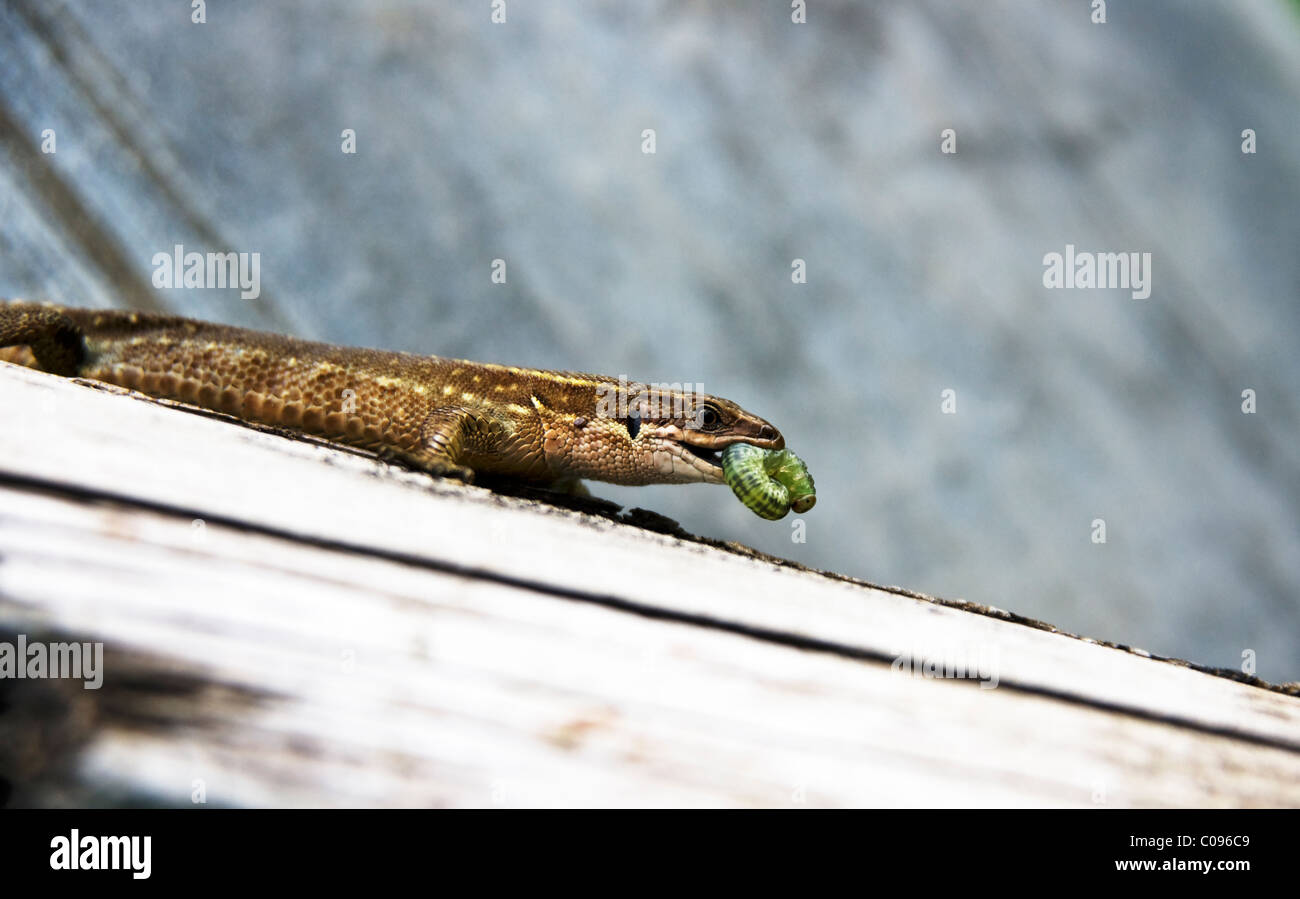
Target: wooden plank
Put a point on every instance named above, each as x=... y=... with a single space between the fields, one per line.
x=351 y=634
x=380 y=683
x=171 y=463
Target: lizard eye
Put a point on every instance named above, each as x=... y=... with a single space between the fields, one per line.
x=633 y=424
x=710 y=419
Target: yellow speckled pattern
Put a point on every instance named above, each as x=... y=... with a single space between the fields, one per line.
x=447 y=416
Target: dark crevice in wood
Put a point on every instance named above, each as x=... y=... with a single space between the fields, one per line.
x=646 y=520
x=609 y=601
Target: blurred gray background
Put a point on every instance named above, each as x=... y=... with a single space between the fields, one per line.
x=775 y=141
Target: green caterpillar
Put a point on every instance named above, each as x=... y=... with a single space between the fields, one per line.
x=769 y=482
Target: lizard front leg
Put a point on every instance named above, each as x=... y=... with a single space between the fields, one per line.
x=442 y=448
x=58 y=345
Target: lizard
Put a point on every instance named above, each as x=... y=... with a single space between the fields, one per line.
x=449 y=417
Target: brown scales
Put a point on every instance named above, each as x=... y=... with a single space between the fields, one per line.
x=449 y=417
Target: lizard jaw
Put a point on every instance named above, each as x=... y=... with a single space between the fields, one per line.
x=682 y=463
x=707 y=462
x=691 y=456
x=676 y=460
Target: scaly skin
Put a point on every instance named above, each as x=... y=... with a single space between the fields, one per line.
x=447 y=416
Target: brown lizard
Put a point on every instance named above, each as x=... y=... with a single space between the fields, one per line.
x=449 y=417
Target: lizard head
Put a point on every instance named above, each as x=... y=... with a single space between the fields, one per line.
x=675 y=436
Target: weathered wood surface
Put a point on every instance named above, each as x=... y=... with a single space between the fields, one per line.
x=338 y=632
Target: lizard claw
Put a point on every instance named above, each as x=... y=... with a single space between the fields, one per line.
x=448 y=470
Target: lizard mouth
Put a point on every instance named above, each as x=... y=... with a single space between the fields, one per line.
x=691 y=457
x=684 y=463
x=710 y=456
x=706 y=458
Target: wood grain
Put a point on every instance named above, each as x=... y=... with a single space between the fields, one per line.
x=337 y=632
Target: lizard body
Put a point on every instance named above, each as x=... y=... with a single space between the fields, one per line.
x=450 y=417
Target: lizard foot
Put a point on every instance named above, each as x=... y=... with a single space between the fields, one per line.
x=450 y=470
